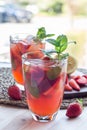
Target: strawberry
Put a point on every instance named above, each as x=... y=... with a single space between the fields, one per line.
x=46 y=58
x=14 y=92
x=74 y=84
x=82 y=80
x=76 y=77
x=68 y=87
x=74 y=110
x=67 y=79
x=85 y=76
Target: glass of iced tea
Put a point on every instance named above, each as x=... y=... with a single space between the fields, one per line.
x=44 y=80
x=19 y=44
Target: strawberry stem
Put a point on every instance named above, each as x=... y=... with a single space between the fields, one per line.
x=80 y=101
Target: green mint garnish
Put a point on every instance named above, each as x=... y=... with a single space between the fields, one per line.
x=60 y=44
x=41 y=34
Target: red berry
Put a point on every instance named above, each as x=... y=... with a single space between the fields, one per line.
x=67 y=79
x=74 y=110
x=85 y=76
x=76 y=77
x=14 y=92
x=74 y=84
x=82 y=80
x=68 y=87
x=46 y=58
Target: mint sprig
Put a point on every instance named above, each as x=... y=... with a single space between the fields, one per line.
x=41 y=34
x=60 y=44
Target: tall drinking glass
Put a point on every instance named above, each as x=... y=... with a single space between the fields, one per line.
x=44 y=81
x=19 y=44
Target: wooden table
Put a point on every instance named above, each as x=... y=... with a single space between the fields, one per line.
x=13 y=118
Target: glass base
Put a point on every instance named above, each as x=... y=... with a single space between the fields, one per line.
x=44 y=118
x=21 y=87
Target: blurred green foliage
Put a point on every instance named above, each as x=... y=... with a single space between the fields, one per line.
x=77 y=7
x=24 y=3
x=55 y=7
x=52 y=7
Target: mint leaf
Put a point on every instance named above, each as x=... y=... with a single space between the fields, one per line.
x=32 y=88
x=49 y=35
x=41 y=34
x=34 y=91
x=52 y=41
x=61 y=43
x=53 y=73
x=62 y=39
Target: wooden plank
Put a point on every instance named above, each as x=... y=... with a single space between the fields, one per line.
x=21 y=119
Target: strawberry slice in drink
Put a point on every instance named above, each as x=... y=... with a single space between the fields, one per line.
x=37 y=74
x=15 y=56
x=52 y=75
x=44 y=86
x=15 y=51
x=23 y=46
x=54 y=86
x=46 y=58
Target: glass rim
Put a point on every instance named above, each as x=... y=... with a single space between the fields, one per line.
x=24 y=56
x=16 y=37
x=19 y=33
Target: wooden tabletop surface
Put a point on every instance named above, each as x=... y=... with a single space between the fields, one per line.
x=13 y=118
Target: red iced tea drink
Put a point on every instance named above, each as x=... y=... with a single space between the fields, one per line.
x=44 y=82
x=19 y=46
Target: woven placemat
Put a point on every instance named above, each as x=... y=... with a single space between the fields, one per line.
x=6 y=79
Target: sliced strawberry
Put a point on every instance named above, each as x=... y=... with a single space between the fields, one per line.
x=74 y=84
x=67 y=87
x=23 y=46
x=76 y=77
x=85 y=76
x=82 y=80
x=67 y=80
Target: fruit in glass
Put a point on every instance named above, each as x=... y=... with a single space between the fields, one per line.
x=44 y=81
x=19 y=44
